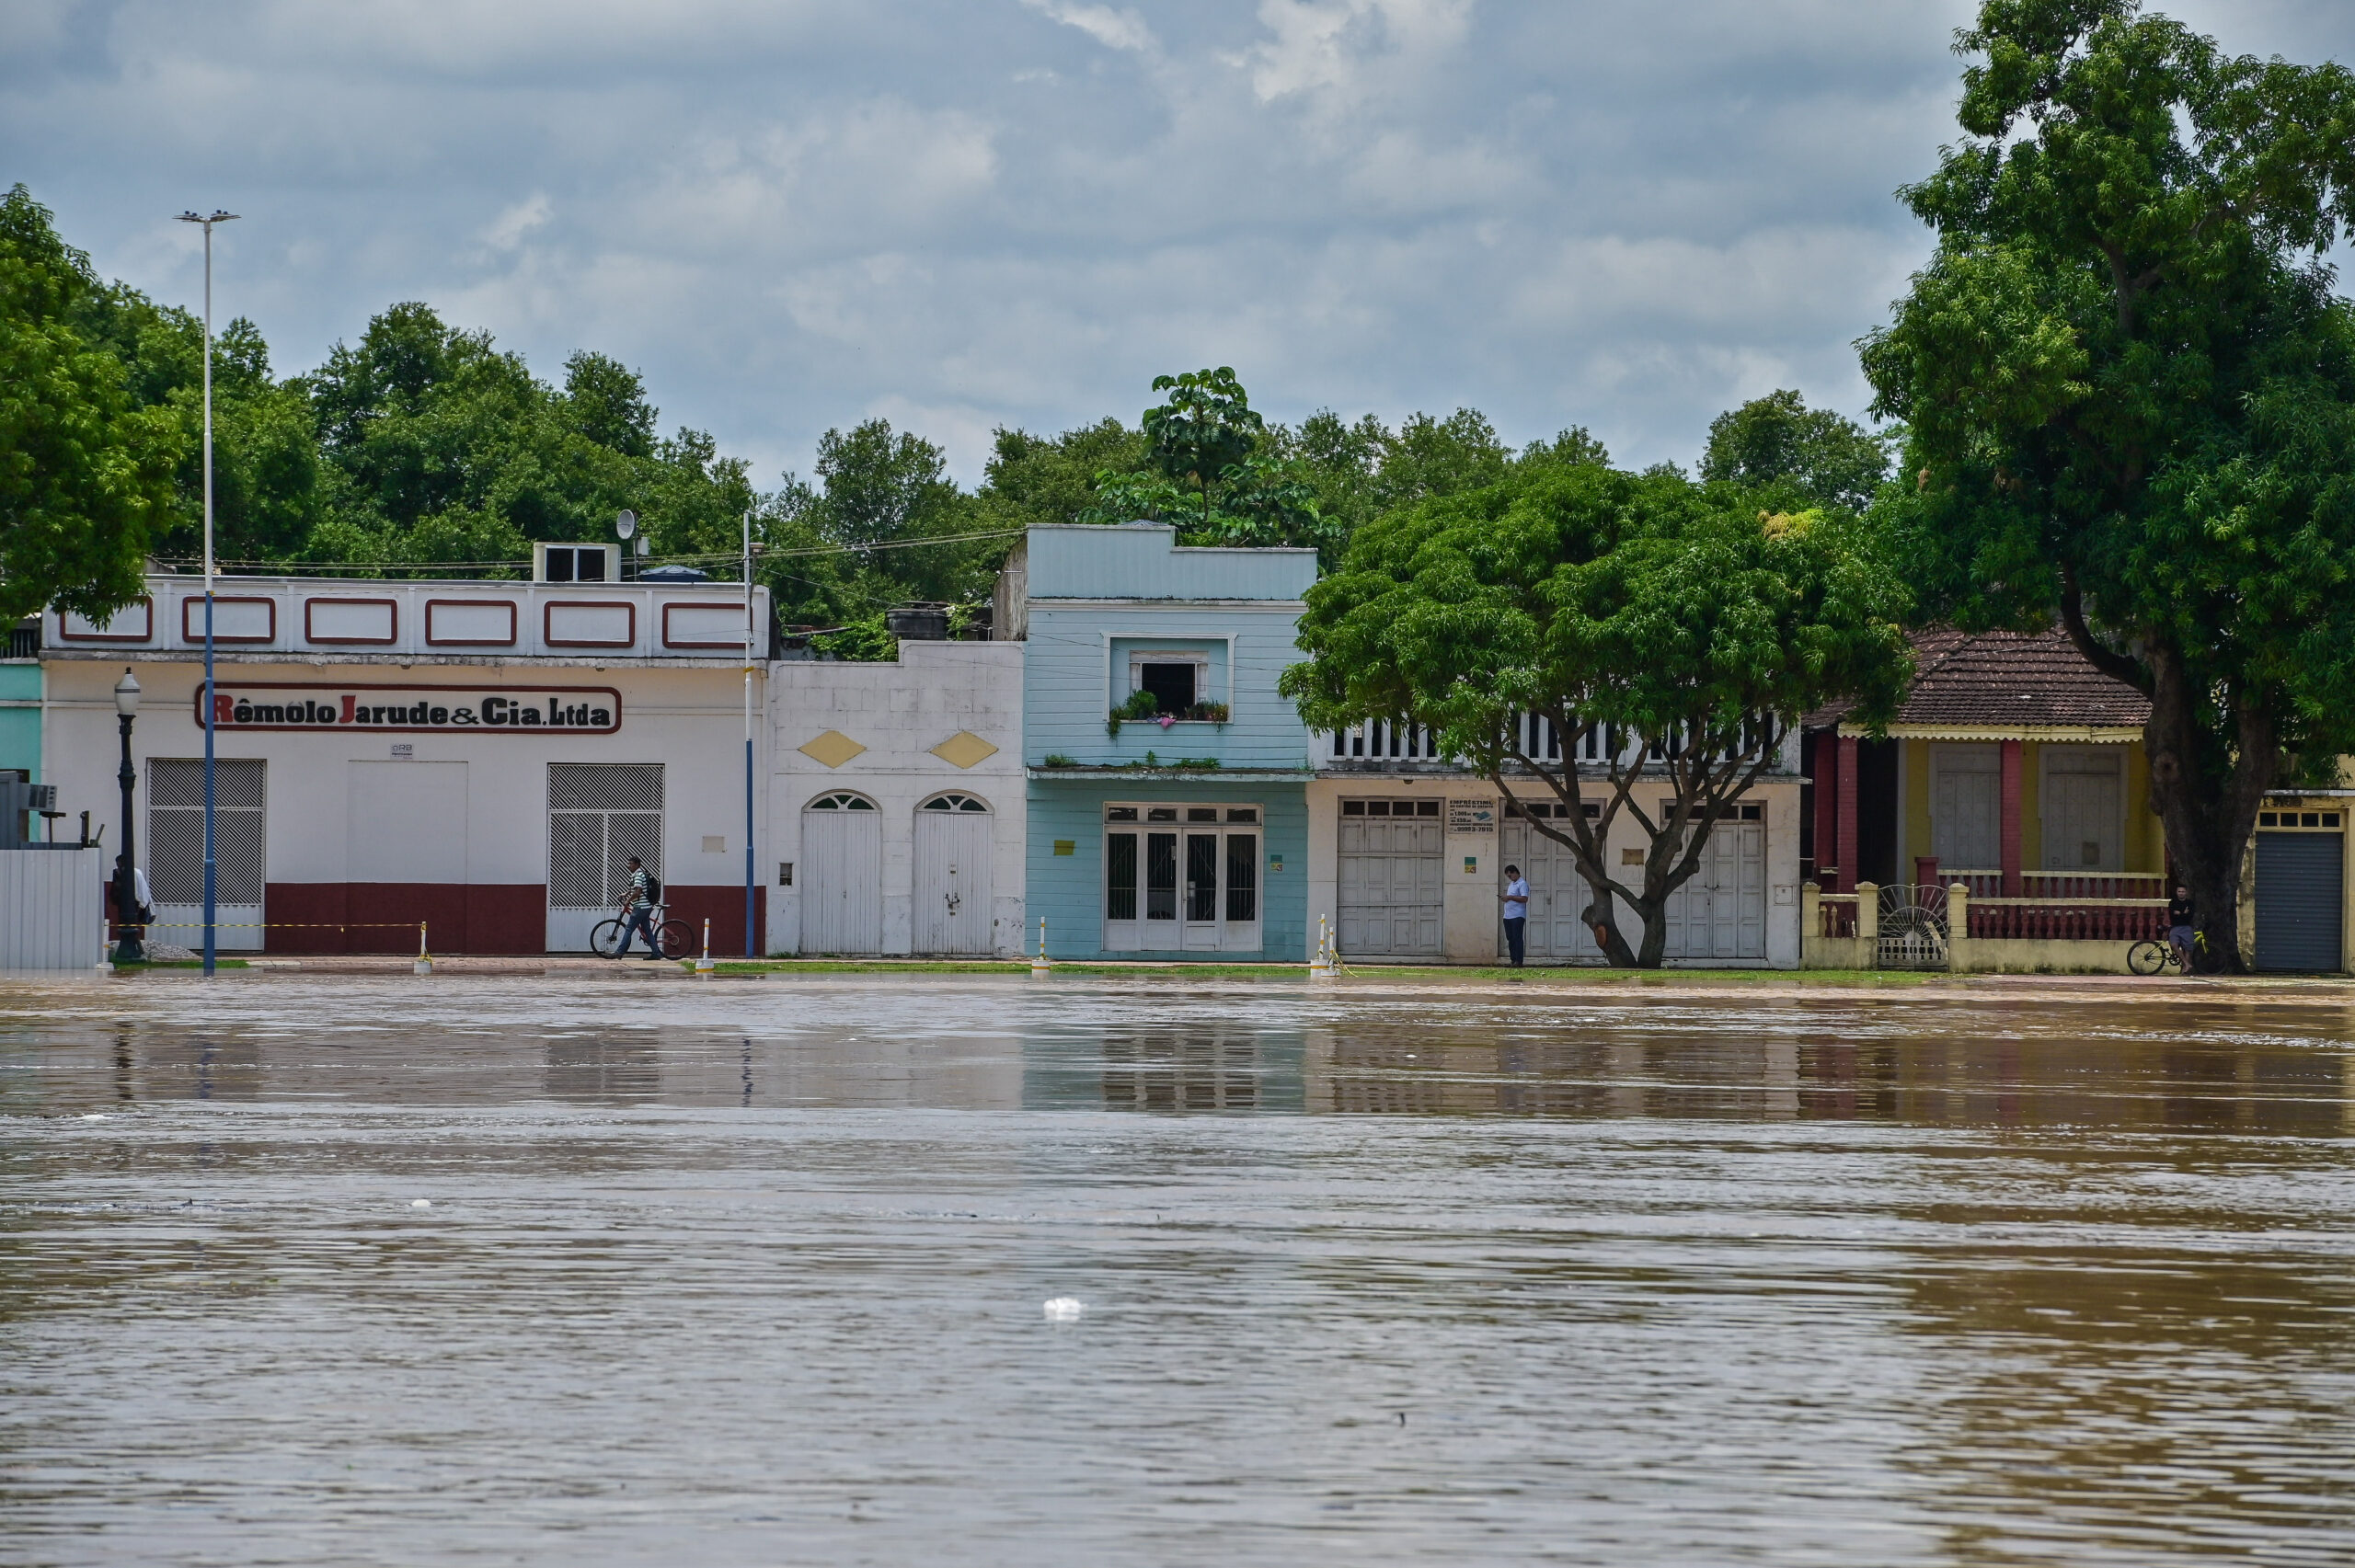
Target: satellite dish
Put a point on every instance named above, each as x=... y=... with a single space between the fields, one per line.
x=626 y=523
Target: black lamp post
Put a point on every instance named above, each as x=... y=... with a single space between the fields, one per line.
x=127 y=949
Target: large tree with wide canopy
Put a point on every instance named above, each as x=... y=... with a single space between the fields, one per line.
x=2128 y=389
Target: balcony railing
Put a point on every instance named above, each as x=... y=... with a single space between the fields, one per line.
x=2074 y=920
x=1539 y=738
x=2062 y=885
x=1380 y=740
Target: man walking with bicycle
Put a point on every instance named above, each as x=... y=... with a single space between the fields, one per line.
x=636 y=912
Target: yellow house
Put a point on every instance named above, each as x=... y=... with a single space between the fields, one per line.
x=2013 y=766
x=2015 y=769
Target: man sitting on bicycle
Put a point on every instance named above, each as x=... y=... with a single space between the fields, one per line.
x=637 y=914
x=2179 y=924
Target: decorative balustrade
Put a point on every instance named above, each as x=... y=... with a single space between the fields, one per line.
x=1378 y=739
x=2074 y=920
x=2053 y=885
x=1835 y=914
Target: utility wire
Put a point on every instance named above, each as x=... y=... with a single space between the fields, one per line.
x=759 y=551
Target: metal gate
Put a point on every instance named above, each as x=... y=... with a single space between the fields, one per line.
x=176 y=850
x=599 y=815
x=2301 y=900
x=1913 y=927
x=842 y=858
x=953 y=876
x=1389 y=903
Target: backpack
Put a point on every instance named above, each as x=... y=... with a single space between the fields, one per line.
x=653 y=888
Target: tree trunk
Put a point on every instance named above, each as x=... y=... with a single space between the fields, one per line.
x=1602 y=919
x=2207 y=798
x=1654 y=911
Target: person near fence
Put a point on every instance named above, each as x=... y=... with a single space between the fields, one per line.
x=1515 y=899
x=2181 y=918
x=638 y=913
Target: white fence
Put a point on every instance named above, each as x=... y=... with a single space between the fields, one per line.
x=53 y=909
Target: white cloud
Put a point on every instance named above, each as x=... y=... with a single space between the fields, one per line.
x=791 y=215
x=510 y=228
x=1113 y=29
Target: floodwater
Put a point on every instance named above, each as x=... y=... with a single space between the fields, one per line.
x=757 y=1272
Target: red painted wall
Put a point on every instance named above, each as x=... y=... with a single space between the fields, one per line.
x=381 y=916
x=481 y=918
x=725 y=906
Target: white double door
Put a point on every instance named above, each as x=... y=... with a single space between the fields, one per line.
x=1182 y=889
x=1719 y=914
x=953 y=883
x=1390 y=899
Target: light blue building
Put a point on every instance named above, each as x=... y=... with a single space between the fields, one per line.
x=20 y=695
x=1185 y=833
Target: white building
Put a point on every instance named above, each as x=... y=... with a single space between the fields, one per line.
x=480 y=756
x=1406 y=854
x=897 y=792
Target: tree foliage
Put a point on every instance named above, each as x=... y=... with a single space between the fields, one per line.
x=2129 y=393
x=884 y=525
x=1827 y=459
x=1677 y=624
x=86 y=473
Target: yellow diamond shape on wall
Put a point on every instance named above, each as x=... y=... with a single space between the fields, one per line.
x=831 y=749
x=964 y=748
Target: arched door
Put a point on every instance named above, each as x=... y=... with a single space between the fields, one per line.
x=841 y=857
x=952 y=882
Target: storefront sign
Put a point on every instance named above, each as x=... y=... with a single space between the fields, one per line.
x=506 y=710
x=1471 y=816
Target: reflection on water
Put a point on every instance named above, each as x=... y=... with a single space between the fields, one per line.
x=753 y=1273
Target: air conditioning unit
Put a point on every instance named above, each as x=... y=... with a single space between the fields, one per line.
x=576 y=563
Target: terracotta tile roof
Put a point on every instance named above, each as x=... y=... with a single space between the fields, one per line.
x=2009 y=679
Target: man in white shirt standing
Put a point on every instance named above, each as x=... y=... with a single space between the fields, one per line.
x=1515 y=898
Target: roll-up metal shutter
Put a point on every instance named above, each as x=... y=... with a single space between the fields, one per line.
x=2301 y=894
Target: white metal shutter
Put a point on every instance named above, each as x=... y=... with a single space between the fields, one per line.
x=176 y=850
x=599 y=815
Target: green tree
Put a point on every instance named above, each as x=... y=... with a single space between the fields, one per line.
x=1032 y=480
x=885 y=525
x=1673 y=633
x=1827 y=459
x=86 y=474
x=1215 y=470
x=1361 y=470
x=1206 y=426
x=2129 y=393
x=438 y=448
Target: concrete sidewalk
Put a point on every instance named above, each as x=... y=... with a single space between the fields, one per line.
x=1552 y=986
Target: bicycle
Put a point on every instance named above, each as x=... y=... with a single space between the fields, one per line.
x=673 y=938
x=2155 y=956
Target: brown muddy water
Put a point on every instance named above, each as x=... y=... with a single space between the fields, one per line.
x=757 y=1272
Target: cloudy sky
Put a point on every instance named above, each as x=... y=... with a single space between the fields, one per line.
x=964 y=213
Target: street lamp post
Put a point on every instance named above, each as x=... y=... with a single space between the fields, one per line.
x=126 y=879
x=217 y=216
x=752 y=882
